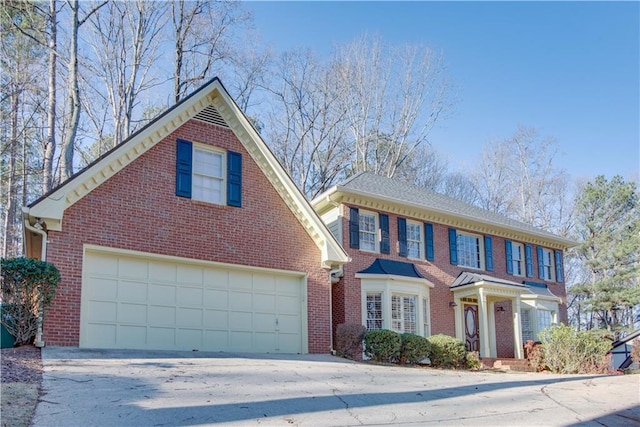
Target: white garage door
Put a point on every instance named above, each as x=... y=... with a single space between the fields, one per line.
x=145 y=302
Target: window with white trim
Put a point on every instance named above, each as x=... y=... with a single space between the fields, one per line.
x=544 y=319
x=368 y=223
x=517 y=259
x=208 y=176
x=548 y=266
x=414 y=240
x=470 y=250
x=404 y=314
x=374 y=311
x=527 y=326
x=426 y=327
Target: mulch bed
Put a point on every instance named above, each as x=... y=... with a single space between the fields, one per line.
x=21 y=364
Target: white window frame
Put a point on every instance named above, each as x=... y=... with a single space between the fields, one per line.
x=518 y=264
x=374 y=307
x=400 y=319
x=528 y=332
x=548 y=265
x=375 y=233
x=544 y=319
x=426 y=317
x=413 y=242
x=462 y=249
x=199 y=149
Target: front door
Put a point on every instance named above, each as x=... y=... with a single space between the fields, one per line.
x=471 y=328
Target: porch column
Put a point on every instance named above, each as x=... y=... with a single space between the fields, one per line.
x=483 y=319
x=459 y=319
x=517 y=329
x=493 y=348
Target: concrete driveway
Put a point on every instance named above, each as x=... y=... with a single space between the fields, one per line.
x=130 y=388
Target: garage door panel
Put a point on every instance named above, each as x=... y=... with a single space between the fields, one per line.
x=162 y=338
x=132 y=313
x=265 y=322
x=216 y=298
x=216 y=278
x=131 y=336
x=162 y=315
x=162 y=272
x=262 y=302
x=190 y=296
x=189 y=317
x=103 y=311
x=132 y=291
x=240 y=300
x=162 y=294
x=189 y=274
x=133 y=268
x=216 y=319
x=189 y=338
x=104 y=289
x=145 y=301
x=240 y=280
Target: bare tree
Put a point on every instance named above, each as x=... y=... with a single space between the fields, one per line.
x=125 y=38
x=73 y=95
x=202 y=32
x=393 y=96
x=308 y=125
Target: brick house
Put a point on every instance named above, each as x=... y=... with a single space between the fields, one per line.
x=189 y=235
x=425 y=263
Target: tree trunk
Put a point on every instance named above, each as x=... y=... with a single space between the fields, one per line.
x=8 y=249
x=50 y=144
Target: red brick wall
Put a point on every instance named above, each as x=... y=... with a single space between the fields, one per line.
x=440 y=273
x=137 y=209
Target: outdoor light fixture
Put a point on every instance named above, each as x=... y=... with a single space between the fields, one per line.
x=452 y=304
x=500 y=309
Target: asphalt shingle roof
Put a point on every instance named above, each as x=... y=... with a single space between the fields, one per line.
x=402 y=192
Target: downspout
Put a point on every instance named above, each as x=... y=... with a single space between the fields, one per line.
x=37 y=228
x=334 y=277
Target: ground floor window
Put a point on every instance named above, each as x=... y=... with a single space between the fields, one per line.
x=426 y=328
x=545 y=320
x=403 y=314
x=374 y=311
x=527 y=327
x=534 y=321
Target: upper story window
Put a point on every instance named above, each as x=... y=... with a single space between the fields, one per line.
x=208 y=174
x=517 y=259
x=414 y=240
x=470 y=250
x=367 y=223
x=545 y=264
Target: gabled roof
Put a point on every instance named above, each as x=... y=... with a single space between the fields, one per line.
x=368 y=189
x=212 y=103
x=627 y=338
x=391 y=267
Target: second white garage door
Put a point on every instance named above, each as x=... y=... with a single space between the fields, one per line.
x=141 y=301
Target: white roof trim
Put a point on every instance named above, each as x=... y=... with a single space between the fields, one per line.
x=51 y=207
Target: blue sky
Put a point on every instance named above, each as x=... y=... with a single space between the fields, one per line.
x=569 y=69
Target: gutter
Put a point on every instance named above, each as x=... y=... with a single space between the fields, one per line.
x=37 y=228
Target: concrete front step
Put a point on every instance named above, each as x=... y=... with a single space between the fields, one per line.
x=507 y=364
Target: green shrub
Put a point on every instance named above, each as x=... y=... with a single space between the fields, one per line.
x=567 y=351
x=473 y=360
x=413 y=349
x=447 y=352
x=27 y=286
x=349 y=338
x=382 y=345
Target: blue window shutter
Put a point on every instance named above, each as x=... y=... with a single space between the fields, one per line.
x=184 y=159
x=385 y=246
x=429 y=249
x=453 y=246
x=234 y=179
x=354 y=228
x=402 y=237
x=488 y=253
x=540 y=263
x=529 y=260
x=507 y=250
x=559 y=277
